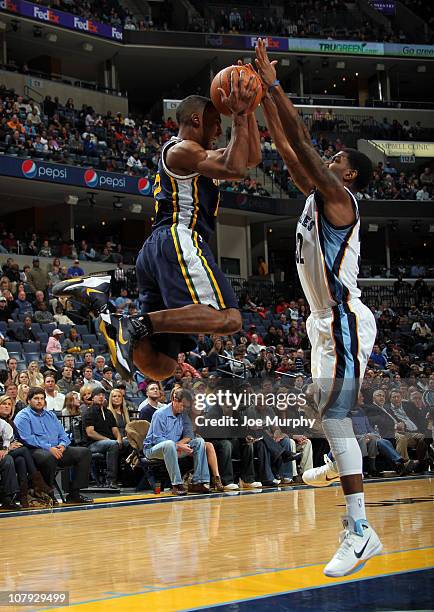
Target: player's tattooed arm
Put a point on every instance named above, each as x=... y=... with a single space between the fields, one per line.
x=274 y=125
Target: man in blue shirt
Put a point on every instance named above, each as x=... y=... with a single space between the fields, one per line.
x=75 y=270
x=43 y=433
x=171 y=436
x=378 y=358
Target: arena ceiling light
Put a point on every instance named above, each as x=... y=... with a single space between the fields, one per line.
x=51 y=37
x=71 y=199
x=340 y=65
x=421 y=68
x=373 y=227
x=2 y=26
x=87 y=47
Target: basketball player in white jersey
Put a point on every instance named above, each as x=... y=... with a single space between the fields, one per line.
x=341 y=328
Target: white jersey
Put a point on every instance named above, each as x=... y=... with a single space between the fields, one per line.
x=327 y=256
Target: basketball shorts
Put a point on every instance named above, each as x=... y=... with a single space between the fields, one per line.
x=175 y=268
x=342 y=339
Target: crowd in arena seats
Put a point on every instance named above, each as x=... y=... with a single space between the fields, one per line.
x=68 y=362
x=331 y=19
x=388 y=183
x=60 y=133
x=425 y=11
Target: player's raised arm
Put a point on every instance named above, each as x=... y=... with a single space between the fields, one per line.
x=287 y=153
x=232 y=162
x=255 y=154
x=337 y=203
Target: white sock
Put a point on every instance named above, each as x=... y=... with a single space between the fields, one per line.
x=356 y=506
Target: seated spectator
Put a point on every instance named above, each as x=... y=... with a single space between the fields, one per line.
x=254 y=348
x=88 y=378
x=35 y=377
x=107 y=382
x=42 y=314
x=5 y=310
x=86 y=398
x=54 y=399
x=10 y=489
x=118 y=408
x=378 y=358
x=24 y=465
x=37 y=278
x=22 y=393
x=53 y=345
x=152 y=402
x=171 y=436
x=45 y=250
x=103 y=435
x=23 y=305
x=65 y=384
x=48 y=366
x=99 y=367
x=215 y=359
x=71 y=417
x=186 y=367
x=4 y=355
x=73 y=343
x=49 y=445
x=75 y=270
x=12 y=371
x=23 y=377
x=25 y=333
x=60 y=317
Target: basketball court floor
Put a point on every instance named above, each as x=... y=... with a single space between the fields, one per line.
x=249 y=551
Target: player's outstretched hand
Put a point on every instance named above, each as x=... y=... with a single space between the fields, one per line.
x=243 y=91
x=266 y=69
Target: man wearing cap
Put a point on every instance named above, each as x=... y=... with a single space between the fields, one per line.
x=75 y=270
x=5 y=311
x=37 y=278
x=151 y=404
x=103 y=435
x=53 y=344
x=43 y=433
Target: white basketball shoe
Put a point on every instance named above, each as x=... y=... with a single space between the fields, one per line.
x=322 y=476
x=358 y=543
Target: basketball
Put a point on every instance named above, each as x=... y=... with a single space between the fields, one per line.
x=223 y=79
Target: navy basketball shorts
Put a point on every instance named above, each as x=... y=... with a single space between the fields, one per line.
x=175 y=268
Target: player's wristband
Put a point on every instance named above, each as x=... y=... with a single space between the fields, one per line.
x=274 y=84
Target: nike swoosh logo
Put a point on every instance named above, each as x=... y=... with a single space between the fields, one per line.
x=334 y=478
x=360 y=553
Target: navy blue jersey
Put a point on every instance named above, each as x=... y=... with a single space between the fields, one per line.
x=190 y=201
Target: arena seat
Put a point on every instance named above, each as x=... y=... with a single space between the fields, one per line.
x=89 y=339
x=32 y=357
x=31 y=347
x=14 y=347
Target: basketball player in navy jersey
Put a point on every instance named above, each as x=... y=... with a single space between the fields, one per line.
x=341 y=328
x=184 y=291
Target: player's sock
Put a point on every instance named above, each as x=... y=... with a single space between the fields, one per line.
x=356 y=506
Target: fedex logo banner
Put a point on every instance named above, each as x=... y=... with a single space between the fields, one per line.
x=59 y=18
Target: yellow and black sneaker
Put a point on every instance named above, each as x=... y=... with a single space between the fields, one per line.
x=121 y=333
x=92 y=291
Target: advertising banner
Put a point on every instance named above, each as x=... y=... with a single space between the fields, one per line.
x=32 y=170
x=396 y=148
x=418 y=51
x=62 y=19
x=341 y=47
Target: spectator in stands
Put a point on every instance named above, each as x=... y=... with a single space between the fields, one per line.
x=271 y=338
x=75 y=270
x=152 y=402
x=35 y=377
x=45 y=250
x=48 y=366
x=88 y=378
x=378 y=358
x=99 y=366
x=171 y=435
x=118 y=408
x=103 y=435
x=22 y=393
x=107 y=381
x=215 y=358
x=427 y=177
x=65 y=384
x=53 y=345
x=423 y=194
x=4 y=355
x=254 y=348
x=407 y=434
x=23 y=460
x=37 y=278
x=86 y=397
x=8 y=476
x=42 y=314
x=186 y=367
x=23 y=305
x=54 y=399
x=5 y=311
x=73 y=343
x=43 y=433
x=12 y=371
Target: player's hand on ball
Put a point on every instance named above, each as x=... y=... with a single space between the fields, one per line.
x=266 y=69
x=242 y=92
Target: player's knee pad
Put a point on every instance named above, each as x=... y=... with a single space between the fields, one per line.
x=344 y=446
